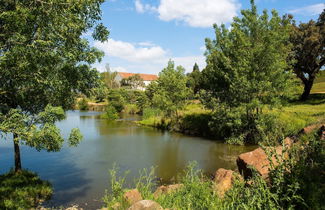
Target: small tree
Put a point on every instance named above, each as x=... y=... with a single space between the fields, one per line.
x=308 y=41
x=170 y=91
x=194 y=79
x=109 y=78
x=43 y=62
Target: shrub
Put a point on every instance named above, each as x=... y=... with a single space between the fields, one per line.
x=111 y=113
x=83 y=104
x=151 y=112
x=115 y=98
x=131 y=109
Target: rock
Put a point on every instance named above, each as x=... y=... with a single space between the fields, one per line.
x=258 y=160
x=309 y=129
x=223 y=181
x=167 y=189
x=145 y=205
x=288 y=142
x=132 y=196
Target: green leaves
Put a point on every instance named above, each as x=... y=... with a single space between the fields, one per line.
x=75 y=137
x=169 y=92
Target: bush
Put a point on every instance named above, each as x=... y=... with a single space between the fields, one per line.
x=23 y=190
x=83 y=104
x=115 y=98
x=111 y=113
x=131 y=109
x=151 y=112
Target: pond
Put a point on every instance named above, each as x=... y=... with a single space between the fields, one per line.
x=80 y=174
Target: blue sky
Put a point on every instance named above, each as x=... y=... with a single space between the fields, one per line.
x=145 y=34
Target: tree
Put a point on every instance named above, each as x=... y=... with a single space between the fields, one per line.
x=247 y=64
x=170 y=91
x=194 y=79
x=109 y=78
x=44 y=63
x=247 y=68
x=308 y=41
x=135 y=81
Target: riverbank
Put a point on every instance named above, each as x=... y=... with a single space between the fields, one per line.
x=273 y=178
x=197 y=121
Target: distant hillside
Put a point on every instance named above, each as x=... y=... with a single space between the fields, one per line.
x=319 y=85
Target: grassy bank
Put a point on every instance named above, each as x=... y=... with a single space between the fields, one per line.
x=23 y=190
x=195 y=120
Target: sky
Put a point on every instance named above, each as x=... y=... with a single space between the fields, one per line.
x=145 y=34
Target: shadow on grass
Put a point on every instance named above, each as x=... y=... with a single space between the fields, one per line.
x=23 y=190
x=314 y=99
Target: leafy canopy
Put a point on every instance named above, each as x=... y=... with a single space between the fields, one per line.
x=169 y=92
x=308 y=41
x=44 y=63
x=247 y=65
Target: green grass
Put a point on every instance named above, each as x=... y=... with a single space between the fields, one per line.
x=23 y=190
x=319 y=84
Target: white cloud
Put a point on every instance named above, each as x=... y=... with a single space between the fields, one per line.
x=141 y=8
x=130 y=52
x=203 y=13
x=142 y=57
x=314 y=9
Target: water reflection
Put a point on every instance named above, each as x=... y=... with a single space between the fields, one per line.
x=80 y=175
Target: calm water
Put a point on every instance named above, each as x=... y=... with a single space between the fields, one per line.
x=80 y=174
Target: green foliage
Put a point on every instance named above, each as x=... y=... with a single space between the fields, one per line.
x=109 y=78
x=45 y=61
x=100 y=93
x=83 y=104
x=194 y=79
x=308 y=41
x=38 y=131
x=24 y=190
x=111 y=113
x=247 y=71
x=116 y=99
x=135 y=81
x=169 y=92
x=151 y=112
x=131 y=109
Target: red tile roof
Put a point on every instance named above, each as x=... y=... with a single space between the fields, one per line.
x=145 y=77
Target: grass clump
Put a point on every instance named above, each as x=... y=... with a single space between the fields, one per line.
x=23 y=190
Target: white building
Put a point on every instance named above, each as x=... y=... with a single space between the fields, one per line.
x=147 y=78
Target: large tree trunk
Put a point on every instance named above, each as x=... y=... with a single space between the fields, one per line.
x=308 y=85
x=17 y=155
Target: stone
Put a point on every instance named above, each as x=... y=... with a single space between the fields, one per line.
x=145 y=205
x=132 y=196
x=288 y=142
x=258 y=160
x=167 y=189
x=223 y=181
x=309 y=129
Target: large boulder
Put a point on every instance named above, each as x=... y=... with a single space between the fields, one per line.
x=167 y=189
x=132 y=196
x=145 y=205
x=223 y=181
x=258 y=160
